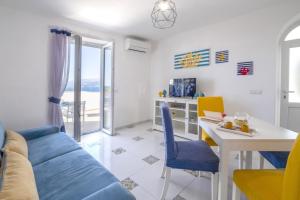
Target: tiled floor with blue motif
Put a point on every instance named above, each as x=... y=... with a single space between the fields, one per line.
x=136 y=155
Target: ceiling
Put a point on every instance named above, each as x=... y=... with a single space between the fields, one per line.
x=132 y=17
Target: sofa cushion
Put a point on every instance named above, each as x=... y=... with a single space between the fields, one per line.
x=44 y=148
x=34 y=133
x=112 y=192
x=18 y=179
x=16 y=143
x=74 y=175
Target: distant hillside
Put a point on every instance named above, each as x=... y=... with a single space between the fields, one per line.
x=86 y=85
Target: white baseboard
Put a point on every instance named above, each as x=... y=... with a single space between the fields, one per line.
x=133 y=124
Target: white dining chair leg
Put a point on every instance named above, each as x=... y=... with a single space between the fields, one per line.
x=236 y=194
x=214 y=186
x=163 y=173
x=241 y=160
x=261 y=162
x=248 y=160
x=166 y=184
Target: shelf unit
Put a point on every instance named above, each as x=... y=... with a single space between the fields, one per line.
x=184 y=116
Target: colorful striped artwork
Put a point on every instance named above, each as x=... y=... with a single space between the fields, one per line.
x=192 y=59
x=222 y=56
x=245 y=68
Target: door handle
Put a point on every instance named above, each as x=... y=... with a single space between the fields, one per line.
x=288 y=92
x=285 y=93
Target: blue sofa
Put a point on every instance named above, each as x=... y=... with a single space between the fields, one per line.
x=64 y=171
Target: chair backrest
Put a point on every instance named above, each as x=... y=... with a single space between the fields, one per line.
x=168 y=132
x=291 y=180
x=214 y=104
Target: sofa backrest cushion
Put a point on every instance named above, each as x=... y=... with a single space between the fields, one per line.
x=18 y=178
x=16 y=143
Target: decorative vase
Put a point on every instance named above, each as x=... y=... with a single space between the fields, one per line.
x=160 y=94
x=165 y=93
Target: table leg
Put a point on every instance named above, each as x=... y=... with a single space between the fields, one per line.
x=241 y=160
x=248 y=159
x=223 y=173
x=200 y=132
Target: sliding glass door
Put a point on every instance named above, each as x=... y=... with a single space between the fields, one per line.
x=108 y=97
x=90 y=87
x=87 y=103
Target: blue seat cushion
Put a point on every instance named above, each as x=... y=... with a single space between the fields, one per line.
x=73 y=176
x=194 y=155
x=112 y=192
x=277 y=158
x=44 y=148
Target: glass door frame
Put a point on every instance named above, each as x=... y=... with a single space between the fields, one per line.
x=77 y=86
x=112 y=130
x=99 y=46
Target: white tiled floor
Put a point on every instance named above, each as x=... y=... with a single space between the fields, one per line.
x=130 y=164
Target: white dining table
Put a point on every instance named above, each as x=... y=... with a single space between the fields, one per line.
x=267 y=138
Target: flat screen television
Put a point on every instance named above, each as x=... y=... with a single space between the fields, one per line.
x=184 y=87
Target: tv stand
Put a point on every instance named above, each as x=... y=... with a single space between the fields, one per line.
x=184 y=116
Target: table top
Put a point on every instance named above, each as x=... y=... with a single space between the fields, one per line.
x=265 y=132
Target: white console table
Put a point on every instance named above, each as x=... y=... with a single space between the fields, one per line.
x=184 y=116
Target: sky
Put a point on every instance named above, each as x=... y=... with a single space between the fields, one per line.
x=90 y=63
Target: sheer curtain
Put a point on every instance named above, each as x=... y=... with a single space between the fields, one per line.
x=59 y=72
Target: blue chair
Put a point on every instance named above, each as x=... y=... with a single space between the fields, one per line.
x=277 y=158
x=189 y=155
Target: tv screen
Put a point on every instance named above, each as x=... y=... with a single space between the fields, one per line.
x=189 y=85
x=176 y=88
x=182 y=87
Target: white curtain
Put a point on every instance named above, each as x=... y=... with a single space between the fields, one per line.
x=59 y=72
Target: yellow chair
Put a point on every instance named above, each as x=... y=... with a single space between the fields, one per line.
x=271 y=184
x=214 y=104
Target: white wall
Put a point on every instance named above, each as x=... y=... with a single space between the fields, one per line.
x=24 y=65
x=251 y=37
x=24 y=73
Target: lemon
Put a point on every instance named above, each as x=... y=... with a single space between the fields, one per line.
x=245 y=128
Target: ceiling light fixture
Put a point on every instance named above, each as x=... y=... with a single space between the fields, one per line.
x=164 y=14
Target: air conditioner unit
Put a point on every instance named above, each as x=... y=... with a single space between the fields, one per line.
x=137 y=45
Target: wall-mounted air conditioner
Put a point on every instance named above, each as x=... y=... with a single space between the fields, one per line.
x=137 y=45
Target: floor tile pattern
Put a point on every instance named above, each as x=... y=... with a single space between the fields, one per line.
x=119 y=151
x=129 y=184
x=151 y=159
x=124 y=157
x=138 y=138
